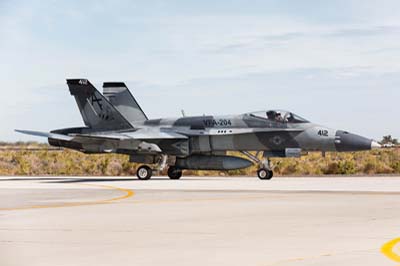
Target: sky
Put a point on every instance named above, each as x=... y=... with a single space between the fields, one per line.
x=336 y=63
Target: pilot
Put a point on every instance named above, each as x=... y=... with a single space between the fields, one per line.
x=271 y=115
x=290 y=118
x=278 y=117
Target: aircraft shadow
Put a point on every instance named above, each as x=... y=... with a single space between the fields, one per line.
x=66 y=180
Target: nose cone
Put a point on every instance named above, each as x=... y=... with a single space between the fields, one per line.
x=345 y=141
x=375 y=145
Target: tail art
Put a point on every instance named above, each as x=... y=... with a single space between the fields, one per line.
x=97 y=112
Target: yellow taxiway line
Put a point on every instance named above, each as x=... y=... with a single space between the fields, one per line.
x=392 y=249
x=127 y=194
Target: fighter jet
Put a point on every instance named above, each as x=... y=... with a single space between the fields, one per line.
x=115 y=123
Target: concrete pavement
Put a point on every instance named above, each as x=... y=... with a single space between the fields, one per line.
x=197 y=221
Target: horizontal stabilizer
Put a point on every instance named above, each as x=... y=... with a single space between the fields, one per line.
x=45 y=135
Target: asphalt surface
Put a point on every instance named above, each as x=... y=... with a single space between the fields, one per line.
x=198 y=221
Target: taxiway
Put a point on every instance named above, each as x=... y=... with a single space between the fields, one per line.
x=197 y=221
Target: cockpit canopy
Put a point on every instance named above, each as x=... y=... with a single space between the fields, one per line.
x=280 y=116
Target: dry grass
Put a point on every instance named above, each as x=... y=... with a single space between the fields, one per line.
x=72 y=163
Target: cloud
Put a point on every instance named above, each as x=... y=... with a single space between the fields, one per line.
x=366 y=32
x=352 y=34
x=206 y=57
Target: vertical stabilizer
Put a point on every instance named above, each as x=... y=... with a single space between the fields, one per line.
x=97 y=112
x=119 y=96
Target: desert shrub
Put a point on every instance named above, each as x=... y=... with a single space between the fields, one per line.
x=238 y=172
x=369 y=168
x=396 y=167
x=114 y=168
x=73 y=163
x=331 y=169
x=346 y=167
x=289 y=169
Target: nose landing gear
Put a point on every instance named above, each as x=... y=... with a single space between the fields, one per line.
x=265 y=174
x=265 y=171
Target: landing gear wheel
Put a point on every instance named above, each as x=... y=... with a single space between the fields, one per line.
x=174 y=173
x=144 y=172
x=265 y=174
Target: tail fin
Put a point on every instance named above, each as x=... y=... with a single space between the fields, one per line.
x=97 y=112
x=119 y=95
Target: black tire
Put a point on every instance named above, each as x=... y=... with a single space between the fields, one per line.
x=265 y=174
x=270 y=175
x=174 y=173
x=144 y=172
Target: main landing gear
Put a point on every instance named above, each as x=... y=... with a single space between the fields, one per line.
x=265 y=171
x=144 y=172
x=174 y=173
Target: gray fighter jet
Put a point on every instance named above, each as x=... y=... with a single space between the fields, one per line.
x=115 y=123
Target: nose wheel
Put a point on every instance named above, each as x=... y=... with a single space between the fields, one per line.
x=265 y=174
x=144 y=172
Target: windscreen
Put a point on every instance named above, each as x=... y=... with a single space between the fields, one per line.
x=280 y=116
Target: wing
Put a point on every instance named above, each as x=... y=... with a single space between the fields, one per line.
x=140 y=134
x=45 y=135
x=142 y=140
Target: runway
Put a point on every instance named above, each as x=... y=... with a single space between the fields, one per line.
x=198 y=221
